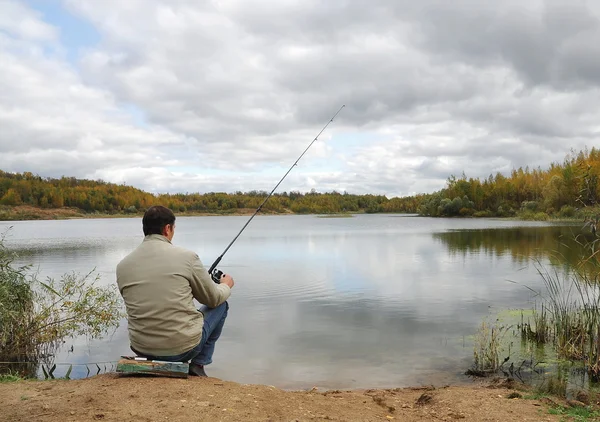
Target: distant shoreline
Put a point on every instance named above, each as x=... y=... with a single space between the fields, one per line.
x=29 y=213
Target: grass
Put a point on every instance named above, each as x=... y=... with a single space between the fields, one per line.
x=555 y=387
x=14 y=377
x=10 y=378
x=578 y=414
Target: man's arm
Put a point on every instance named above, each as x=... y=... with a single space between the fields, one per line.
x=204 y=289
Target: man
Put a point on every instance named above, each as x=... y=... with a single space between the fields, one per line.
x=158 y=282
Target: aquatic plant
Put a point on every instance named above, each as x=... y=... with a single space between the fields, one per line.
x=488 y=347
x=562 y=332
x=565 y=322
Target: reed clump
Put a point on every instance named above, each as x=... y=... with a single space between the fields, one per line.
x=488 y=348
x=568 y=318
x=565 y=323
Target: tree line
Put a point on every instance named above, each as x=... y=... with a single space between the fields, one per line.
x=557 y=190
x=560 y=190
x=103 y=197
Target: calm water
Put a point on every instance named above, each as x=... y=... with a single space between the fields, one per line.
x=368 y=301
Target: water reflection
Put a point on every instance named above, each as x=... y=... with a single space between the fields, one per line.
x=369 y=301
x=558 y=252
x=520 y=243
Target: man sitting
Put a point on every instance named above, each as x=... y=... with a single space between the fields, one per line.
x=159 y=282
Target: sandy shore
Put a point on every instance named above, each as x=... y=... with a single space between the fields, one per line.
x=111 y=397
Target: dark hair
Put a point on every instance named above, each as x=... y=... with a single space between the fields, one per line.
x=156 y=218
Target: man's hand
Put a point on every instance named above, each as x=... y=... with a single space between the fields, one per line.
x=228 y=280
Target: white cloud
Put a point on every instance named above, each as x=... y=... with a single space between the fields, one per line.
x=25 y=23
x=227 y=94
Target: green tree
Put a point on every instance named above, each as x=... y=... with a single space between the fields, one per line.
x=11 y=197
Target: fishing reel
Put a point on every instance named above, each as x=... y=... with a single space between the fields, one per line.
x=216 y=275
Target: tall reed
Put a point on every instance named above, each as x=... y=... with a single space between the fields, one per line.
x=570 y=316
x=488 y=347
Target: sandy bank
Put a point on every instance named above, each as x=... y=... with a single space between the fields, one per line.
x=113 y=398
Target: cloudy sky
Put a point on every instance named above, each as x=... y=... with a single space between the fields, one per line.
x=224 y=95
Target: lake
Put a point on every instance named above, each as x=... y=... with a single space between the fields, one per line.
x=368 y=301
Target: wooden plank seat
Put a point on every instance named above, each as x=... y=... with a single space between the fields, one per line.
x=137 y=365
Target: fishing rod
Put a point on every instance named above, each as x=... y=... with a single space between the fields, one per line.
x=213 y=271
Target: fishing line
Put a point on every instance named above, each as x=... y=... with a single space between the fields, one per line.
x=213 y=271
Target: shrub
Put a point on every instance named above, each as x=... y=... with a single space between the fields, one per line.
x=531 y=206
x=526 y=215
x=37 y=316
x=465 y=212
x=485 y=213
x=567 y=211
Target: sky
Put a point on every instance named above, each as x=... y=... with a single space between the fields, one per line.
x=224 y=95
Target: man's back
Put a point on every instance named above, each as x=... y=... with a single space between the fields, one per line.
x=156 y=282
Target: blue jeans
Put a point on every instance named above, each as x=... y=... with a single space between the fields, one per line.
x=214 y=319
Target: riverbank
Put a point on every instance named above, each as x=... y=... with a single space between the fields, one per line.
x=112 y=398
x=26 y=212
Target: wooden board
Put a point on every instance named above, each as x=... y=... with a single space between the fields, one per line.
x=142 y=366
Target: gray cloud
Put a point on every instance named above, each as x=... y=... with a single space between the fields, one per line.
x=548 y=43
x=228 y=89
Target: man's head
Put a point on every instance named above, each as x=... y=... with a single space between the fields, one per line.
x=159 y=220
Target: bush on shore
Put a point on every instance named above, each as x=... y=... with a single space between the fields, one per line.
x=36 y=316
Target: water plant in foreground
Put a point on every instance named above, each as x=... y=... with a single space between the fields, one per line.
x=569 y=317
x=36 y=316
x=487 y=348
x=561 y=331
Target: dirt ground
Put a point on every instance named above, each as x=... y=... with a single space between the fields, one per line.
x=112 y=397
